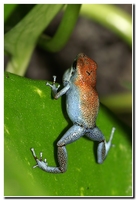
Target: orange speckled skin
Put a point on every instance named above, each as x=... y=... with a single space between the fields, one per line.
x=86 y=84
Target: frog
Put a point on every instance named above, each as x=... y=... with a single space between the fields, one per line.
x=82 y=106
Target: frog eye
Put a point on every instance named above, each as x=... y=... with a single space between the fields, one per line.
x=74 y=64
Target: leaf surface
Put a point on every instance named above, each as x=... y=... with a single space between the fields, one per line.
x=34 y=119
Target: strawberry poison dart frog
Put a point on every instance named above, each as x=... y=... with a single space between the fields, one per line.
x=82 y=105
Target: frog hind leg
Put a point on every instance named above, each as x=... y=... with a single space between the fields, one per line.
x=74 y=133
x=103 y=147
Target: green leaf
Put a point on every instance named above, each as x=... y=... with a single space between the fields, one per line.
x=21 y=40
x=8 y=9
x=34 y=119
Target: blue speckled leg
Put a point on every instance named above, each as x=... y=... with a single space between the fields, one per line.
x=70 y=136
x=103 y=146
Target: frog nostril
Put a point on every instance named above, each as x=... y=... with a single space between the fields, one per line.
x=88 y=73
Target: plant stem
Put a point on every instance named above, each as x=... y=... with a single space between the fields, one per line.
x=64 y=30
x=111 y=17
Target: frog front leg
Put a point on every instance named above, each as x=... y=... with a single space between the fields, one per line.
x=103 y=146
x=74 y=133
x=55 y=88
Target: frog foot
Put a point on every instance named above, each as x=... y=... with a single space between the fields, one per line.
x=54 y=87
x=40 y=163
